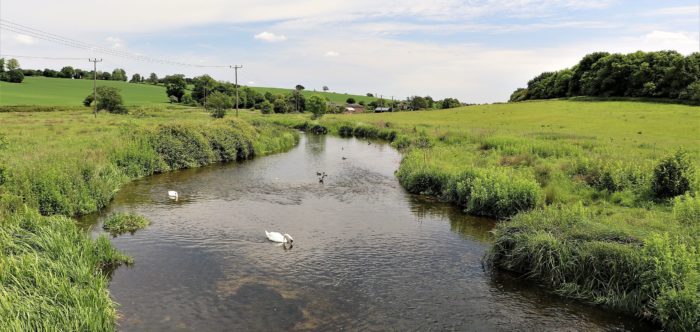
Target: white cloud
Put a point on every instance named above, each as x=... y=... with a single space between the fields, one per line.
x=251 y=83
x=331 y=54
x=681 y=41
x=270 y=37
x=24 y=39
x=115 y=42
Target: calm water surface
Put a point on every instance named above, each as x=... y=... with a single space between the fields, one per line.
x=367 y=255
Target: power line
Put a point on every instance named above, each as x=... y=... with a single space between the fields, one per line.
x=37 y=57
x=65 y=41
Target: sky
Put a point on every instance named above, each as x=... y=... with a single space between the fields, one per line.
x=478 y=51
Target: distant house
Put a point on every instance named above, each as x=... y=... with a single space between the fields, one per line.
x=354 y=108
x=382 y=109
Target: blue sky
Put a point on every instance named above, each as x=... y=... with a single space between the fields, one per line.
x=475 y=50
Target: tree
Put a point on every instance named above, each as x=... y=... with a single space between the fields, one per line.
x=325 y=88
x=297 y=101
x=418 y=102
x=12 y=64
x=318 y=106
x=152 y=79
x=203 y=87
x=280 y=105
x=119 y=74
x=350 y=100
x=429 y=102
x=266 y=107
x=2 y=65
x=67 y=72
x=370 y=95
x=13 y=76
x=108 y=99
x=219 y=103
x=175 y=85
x=136 y=78
x=450 y=103
x=269 y=96
x=105 y=76
x=299 y=87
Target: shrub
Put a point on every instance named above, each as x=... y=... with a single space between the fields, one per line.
x=494 y=193
x=120 y=223
x=673 y=175
x=173 y=99
x=181 y=146
x=345 y=131
x=686 y=209
x=318 y=106
x=188 y=100
x=108 y=99
x=219 y=103
x=266 y=107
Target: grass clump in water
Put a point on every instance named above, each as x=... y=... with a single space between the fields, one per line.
x=120 y=223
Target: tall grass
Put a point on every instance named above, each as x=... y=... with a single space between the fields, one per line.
x=53 y=276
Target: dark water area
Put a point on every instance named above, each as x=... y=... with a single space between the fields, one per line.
x=367 y=256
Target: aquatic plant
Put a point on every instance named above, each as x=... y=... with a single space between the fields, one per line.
x=120 y=223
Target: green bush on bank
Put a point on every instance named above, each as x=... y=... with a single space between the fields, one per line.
x=120 y=223
x=481 y=191
x=567 y=249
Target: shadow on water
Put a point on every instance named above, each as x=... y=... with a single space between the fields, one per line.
x=367 y=256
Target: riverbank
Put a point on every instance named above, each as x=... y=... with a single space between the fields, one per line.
x=67 y=163
x=577 y=180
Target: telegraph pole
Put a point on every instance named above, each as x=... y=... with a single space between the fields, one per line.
x=94 y=82
x=235 y=68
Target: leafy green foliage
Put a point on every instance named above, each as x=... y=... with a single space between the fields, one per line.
x=175 y=85
x=686 y=209
x=219 y=103
x=317 y=106
x=108 y=99
x=663 y=74
x=266 y=107
x=674 y=175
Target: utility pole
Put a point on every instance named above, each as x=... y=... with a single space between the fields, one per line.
x=94 y=82
x=235 y=68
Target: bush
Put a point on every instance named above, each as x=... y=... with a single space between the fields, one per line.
x=317 y=106
x=188 y=100
x=673 y=175
x=219 y=103
x=686 y=209
x=173 y=99
x=266 y=107
x=13 y=76
x=350 y=100
x=181 y=146
x=108 y=98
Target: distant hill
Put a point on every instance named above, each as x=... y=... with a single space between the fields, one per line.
x=43 y=91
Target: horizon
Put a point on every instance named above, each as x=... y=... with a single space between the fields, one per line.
x=476 y=51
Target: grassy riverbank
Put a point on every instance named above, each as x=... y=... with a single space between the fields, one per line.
x=576 y=179
x=69 y=163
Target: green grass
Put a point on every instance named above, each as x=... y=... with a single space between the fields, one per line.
x=120 y=223
x=70 y=163
x=43 y=91
x=66 y=92
x=572 y=182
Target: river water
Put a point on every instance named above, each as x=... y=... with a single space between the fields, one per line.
x=366 y=255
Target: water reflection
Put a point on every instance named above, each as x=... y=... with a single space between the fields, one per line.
x=367 y=256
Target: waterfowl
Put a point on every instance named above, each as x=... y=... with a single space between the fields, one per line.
x=172 y=194
x=279 y=237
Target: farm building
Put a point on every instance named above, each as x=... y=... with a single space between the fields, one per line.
x=354 y=108
x=382 y=109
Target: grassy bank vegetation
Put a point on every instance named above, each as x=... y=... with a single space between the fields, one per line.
x=120 y=223
x=588 y=191
x=69 y=163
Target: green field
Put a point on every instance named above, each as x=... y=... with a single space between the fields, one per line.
x=43 y=91
x=573 y=182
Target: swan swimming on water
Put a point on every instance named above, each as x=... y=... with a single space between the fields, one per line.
x=279 y=237
x=172 y=194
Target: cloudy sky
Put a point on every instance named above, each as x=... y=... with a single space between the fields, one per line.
x=475 y=50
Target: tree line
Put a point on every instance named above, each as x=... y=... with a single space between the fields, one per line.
x=663 y=74
x=205 y=91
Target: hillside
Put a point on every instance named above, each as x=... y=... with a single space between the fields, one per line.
x=42 y=91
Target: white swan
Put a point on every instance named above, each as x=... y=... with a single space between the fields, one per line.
x=172 y=194
x=279 y=237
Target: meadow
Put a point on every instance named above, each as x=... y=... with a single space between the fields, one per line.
x=575 y=184
x=43 y=91
x=55 y=165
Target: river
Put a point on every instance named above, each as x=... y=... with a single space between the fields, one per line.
x=366 y=254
